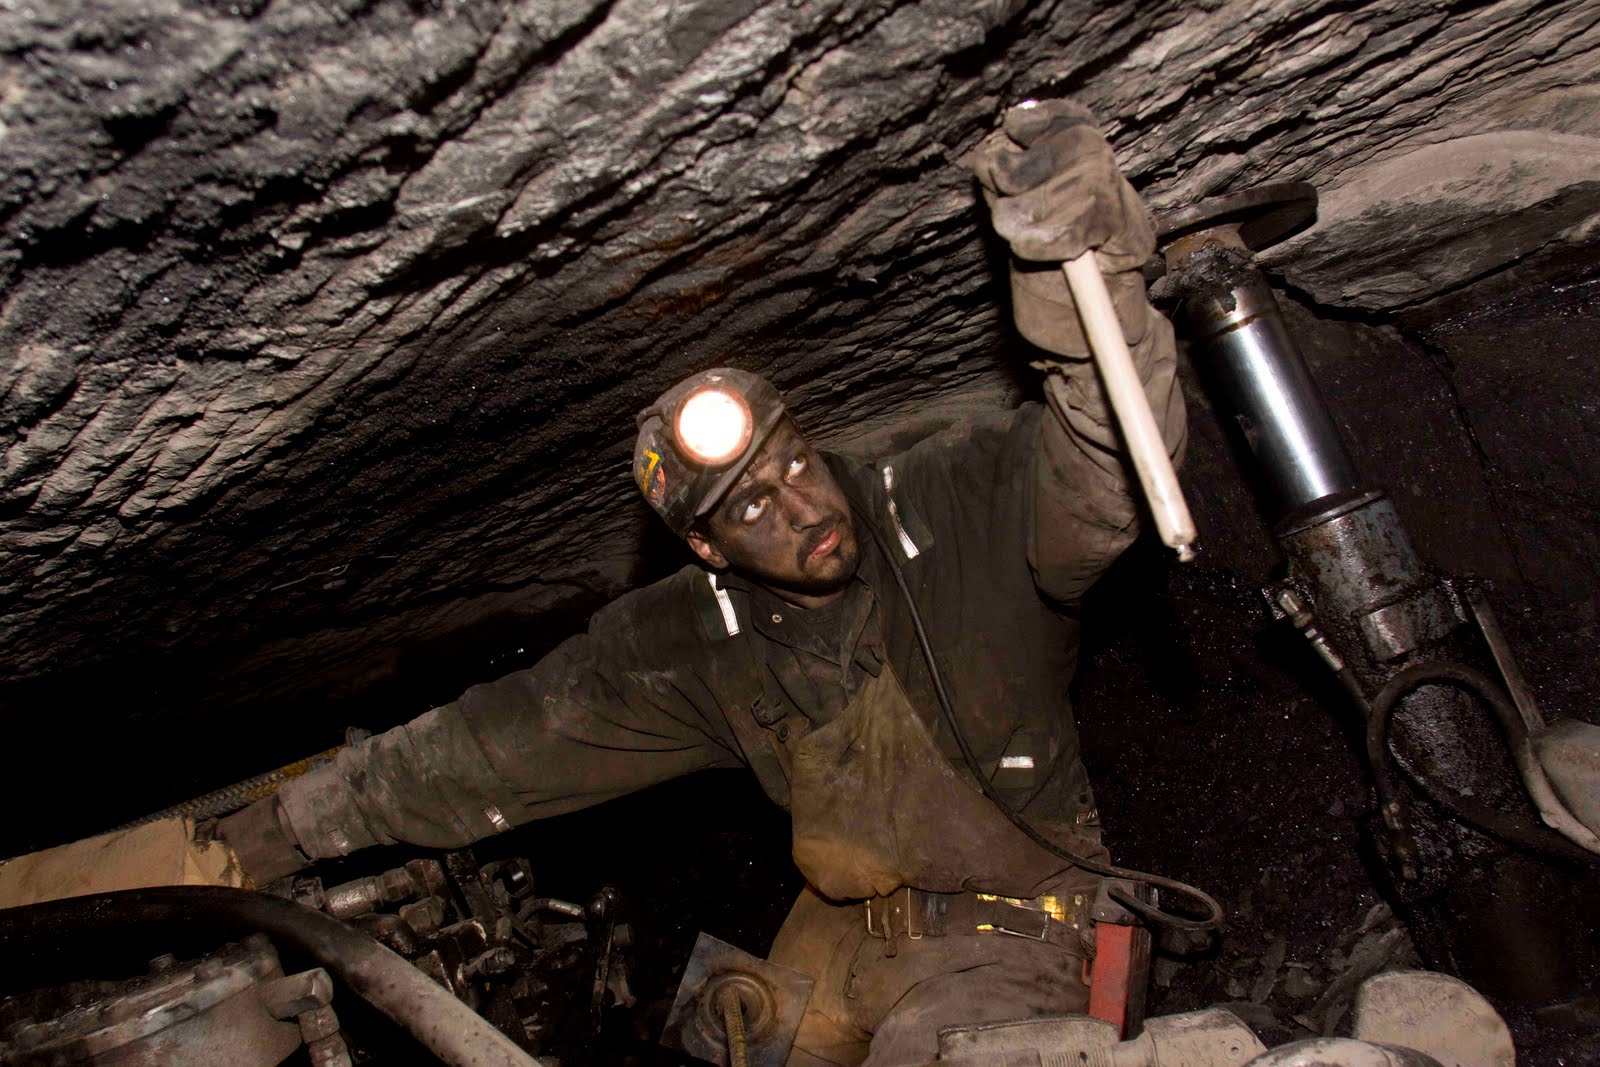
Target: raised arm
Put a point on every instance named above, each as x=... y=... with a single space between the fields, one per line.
x=596 y=718
x=1054 y=191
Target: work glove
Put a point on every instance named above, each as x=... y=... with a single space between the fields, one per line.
x=261 y=839
x=1054 y=192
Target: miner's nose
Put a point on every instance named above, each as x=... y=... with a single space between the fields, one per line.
x=803 y=512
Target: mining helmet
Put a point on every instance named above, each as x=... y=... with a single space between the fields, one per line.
x=698 y=438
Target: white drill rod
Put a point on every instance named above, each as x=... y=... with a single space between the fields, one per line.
x=1146 y=448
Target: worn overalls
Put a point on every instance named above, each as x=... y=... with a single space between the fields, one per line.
x=925 y=906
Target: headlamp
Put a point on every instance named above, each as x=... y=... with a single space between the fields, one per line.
x=713 y=426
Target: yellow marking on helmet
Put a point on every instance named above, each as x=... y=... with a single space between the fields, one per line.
x=644 y=475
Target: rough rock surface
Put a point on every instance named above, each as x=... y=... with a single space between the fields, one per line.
x=322 y=325
x=1433 y=219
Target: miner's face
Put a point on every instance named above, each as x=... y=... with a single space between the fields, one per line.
x=785 y=523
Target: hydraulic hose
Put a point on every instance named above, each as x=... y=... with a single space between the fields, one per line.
x=1507 y=828
x=1214 y=913
x=31 y=935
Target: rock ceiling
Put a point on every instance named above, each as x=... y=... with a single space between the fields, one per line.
x=322 y=325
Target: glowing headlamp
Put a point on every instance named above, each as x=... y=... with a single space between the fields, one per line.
x=714 y=426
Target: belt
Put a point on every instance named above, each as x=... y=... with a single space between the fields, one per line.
x=1059 y=919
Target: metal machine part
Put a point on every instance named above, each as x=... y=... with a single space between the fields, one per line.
x=1432 y=1013
x=1404 y=1019
x=1279 y=411
x=733 y=1008
x=1480 y=892
x=1120 y=975
x=1342 y=1052
x=419 y=879
x=467 y=959
x=56 y=937
x=1364 y=572
x=234 y=1005
x=541 y=970
x=1210 y=1038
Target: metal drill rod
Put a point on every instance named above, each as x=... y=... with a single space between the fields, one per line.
x=1146 y=447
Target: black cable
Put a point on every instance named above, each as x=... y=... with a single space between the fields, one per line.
x=1497 y=824
x=1150 y=912
x=1401 y=840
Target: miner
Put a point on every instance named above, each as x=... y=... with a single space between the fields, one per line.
x=792 y=647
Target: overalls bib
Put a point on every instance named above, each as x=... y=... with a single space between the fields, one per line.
x=876 y=808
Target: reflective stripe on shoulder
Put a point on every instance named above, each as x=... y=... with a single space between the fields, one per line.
x=730 y=621
x=908 y=546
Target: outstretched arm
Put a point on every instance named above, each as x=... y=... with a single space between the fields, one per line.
x=593 y=720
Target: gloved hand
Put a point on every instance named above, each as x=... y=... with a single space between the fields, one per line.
x=1055 y=192
x=261 y=839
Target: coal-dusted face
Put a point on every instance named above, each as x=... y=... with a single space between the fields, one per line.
x=785 y=524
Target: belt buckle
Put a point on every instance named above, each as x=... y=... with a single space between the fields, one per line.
x=1017 y=907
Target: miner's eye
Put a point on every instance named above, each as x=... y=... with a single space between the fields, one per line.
x=753 y=511
x=797 y=466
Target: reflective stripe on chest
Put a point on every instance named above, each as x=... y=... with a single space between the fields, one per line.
x=910 y=533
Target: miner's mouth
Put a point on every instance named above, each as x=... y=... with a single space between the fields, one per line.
x=825 y=544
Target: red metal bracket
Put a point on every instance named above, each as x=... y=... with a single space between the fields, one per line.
x=1120 y=975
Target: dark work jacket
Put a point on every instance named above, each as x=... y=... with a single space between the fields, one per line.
x=999 y=525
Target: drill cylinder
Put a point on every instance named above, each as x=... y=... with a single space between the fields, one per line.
x=1274 y=399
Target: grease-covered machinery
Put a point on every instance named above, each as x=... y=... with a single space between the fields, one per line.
x=467 y=960
x=1484 y=808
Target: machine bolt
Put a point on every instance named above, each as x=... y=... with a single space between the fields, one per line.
x=329 y=1052
x=308 y=891
x=293 y=995
x=318 y=1024
x=497 y=960
x=424 y=916
x=428 y=874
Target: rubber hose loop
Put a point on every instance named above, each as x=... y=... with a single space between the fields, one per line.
x=1511 y=830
